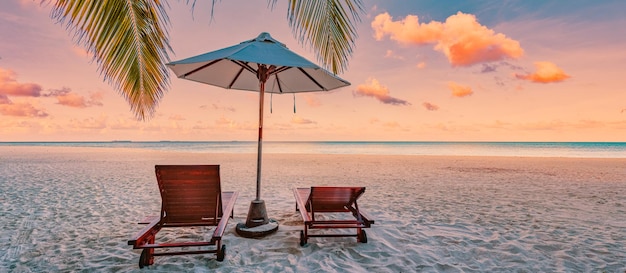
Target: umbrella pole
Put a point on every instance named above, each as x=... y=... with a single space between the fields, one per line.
x=257 y=223
x=257 y=213
x=260 y=141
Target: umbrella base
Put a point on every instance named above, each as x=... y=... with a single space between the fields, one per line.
x=257 y=214
x=257 y=224
x=258 y=231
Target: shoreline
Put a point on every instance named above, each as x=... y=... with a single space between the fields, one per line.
x=508 y=149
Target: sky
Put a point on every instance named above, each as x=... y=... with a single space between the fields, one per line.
x=494 y=70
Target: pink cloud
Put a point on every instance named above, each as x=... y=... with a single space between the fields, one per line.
x=218 y=107
x=430 y=107
x=546 y=72
x=459 y=91
x=66 y=97
x=10 y=86
x=393 y=55
x=89 y=123
x=21 y=110
x=372 y=88
x=461 y=38
x=4 y=99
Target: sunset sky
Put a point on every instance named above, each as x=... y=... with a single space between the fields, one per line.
x=422 y=70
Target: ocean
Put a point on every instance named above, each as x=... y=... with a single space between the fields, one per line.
x=515 y=149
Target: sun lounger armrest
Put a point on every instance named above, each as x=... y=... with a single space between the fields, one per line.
x=302 y=194
x=228 y=199
x=147 y=231
x=366 y=216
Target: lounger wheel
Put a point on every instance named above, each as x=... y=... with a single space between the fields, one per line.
x=363 y=237
x=143 y=258
x=302 y=239
x=221 y=254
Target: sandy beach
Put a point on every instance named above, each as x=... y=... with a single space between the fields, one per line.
x=73 y=210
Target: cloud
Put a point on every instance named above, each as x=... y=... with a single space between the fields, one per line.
x=124 y=124
x=461 y=38
x=223 y=122
x=89 y=123
x=312 y=100
x=393 y=55
x=217 y=107
x=546 y=72
x=10 y=86
x=177 y=117
x=4 y=99
x=66 y=97
x=430 y=107
x=299 y=120
x=393 y=125
x=421 y=65
x=372 y=88
x=21 y=110
x=487 y=68
x=459 y=91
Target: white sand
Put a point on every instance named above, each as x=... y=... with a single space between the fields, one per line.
x=73 y=209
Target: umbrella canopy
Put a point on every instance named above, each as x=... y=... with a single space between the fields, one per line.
x=236 y=67
x=262 y=64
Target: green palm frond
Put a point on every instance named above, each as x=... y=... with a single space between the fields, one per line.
x=327 y=26
x=129 y=41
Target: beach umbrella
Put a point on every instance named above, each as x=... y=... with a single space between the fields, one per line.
x=262 y=64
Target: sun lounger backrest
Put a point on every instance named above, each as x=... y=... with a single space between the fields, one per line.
x=333 y=199
x=190 y=193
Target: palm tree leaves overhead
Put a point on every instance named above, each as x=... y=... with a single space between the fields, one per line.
x=326 y=26
x=129 y=41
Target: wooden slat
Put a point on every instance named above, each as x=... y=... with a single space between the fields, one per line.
x=330 y=199
x=302 y=194
x=229 y=198
x=334 y=199
x=189 y=192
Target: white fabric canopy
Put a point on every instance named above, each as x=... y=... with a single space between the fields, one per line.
x=236 y=67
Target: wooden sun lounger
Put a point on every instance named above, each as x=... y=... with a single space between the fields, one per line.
x=316 y=200
x=191 y=196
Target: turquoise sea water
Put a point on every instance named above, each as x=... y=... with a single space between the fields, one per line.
x=526 y=149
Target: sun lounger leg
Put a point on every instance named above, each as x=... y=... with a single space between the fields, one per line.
x=362 y=236
x=221 y=252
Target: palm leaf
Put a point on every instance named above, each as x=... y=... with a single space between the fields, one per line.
x=328 y=27
x=129 y=41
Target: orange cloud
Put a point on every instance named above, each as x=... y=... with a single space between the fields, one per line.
x=546 y=72
x=461 y=38
x=460 y=90
x=10 y=86
x=299 y=120
x=373 y=88
x=21 y=110
x=430 y=107
x=421 y=65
